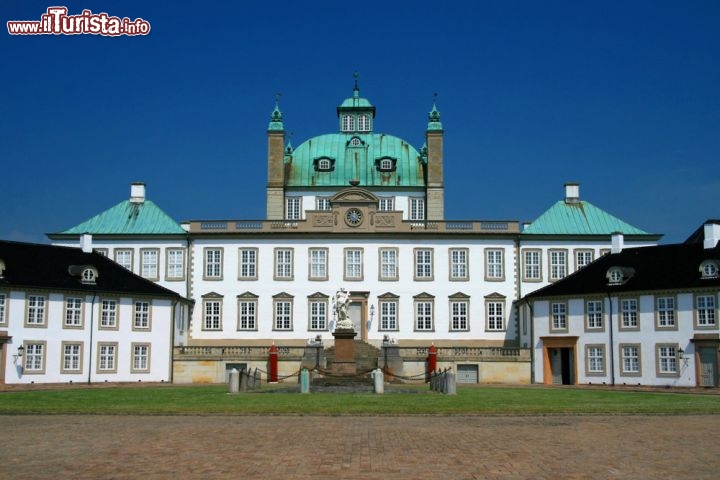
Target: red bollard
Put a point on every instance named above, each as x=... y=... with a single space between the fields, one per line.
x=273 y=369
x=432 y=362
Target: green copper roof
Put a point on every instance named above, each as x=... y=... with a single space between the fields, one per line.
x=129 y=218
x=354 y=162
x=434 y=119
x=276 y=122
x=580 y=218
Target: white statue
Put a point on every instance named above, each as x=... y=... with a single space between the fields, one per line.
x=342 y=300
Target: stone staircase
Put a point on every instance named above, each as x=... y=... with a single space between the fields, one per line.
x=366 y=356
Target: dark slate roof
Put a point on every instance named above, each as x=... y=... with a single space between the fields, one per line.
x=662 y=267
x=29 y=265
x=698 y=236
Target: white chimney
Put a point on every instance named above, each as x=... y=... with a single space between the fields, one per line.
x=137 y=192
x=617 y=241
x=712 y=235
x=572 y=192
x=86 y=242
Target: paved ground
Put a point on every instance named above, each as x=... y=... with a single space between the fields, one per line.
x=359 y=447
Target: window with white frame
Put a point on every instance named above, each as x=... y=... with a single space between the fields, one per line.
x=423 y=315
x=324 y=164
x=323 y=203
x=595 y=359
x=318 y=263
x=388 y=314
x=423 y=264
x=124 y=257
x=348 y=123
x=34 y=358
x=495 y=312
x=388 y=258
x=709 y=269
x=247 y=269
x=149 y=263
x=594 y=314
x=558 y=316
x=293 y=208
x=417 y=208
x=459 y=314
x=71 y=362
x=705 y=310
x=355 y=142
x=630 y=359
x=212 y=313
x=36 y=310
x=107 y=357
x=108 y=313
x=283 y=264
x=3 y=308
x=353 y=264
x=558 y=264
x=385 y=165
x=282 y=313
x=247 y=312
x=667 y=360
x=213 y=264
x=318 y=314
x=665 y=312
x=88 y=275
x=141 y=358
x=364 y=123
x=73 y=312
x=583 y=258
x=629 y=313
x=141 y=315
x=386 y=204
x=494 y=269
x=459 y=264
x=175 y=263
x=531 y=265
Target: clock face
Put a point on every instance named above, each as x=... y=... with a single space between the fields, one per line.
x=354 y=217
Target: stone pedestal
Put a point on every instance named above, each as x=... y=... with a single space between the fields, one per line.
x=344 y=363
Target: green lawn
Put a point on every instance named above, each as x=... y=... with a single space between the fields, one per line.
x=173 y=400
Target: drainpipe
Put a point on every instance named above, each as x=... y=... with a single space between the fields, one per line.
x=532 y=343
x=172 y=339
x=612 y=342
x=92 y=318
x=518 y=288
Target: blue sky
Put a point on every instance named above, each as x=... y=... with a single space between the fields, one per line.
x=622 y=97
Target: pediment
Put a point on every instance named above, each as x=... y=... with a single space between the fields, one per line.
x=354 y=195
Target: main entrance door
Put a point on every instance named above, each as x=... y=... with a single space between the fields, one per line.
x=355 y=314
x=561 y=366
x=708 y=367
x=559 y=362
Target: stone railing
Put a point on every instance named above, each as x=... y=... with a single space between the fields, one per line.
x=484 y=354
x=235 y=353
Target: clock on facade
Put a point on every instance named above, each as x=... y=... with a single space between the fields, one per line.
x=354 y=217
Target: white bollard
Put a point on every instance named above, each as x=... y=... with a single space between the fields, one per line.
x=379 y=378
x=234 y=381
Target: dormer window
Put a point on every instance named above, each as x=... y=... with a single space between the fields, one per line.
x=2 y=268
x=364 y=123
x=348 y=123
x=88 y=276
x=385 y=164
x=324 y=164
x=356 y=142
x=709 y=269
x=619 y=275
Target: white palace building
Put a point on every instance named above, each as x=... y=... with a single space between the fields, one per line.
x=364 y=211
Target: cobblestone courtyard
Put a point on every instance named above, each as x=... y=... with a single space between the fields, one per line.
x=361 y=447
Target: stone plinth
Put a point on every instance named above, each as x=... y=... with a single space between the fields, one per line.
x=344 y=362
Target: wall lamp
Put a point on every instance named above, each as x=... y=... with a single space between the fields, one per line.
x=681 y=353
x=21 y=350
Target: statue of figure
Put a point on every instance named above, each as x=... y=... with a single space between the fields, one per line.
x=342 y=300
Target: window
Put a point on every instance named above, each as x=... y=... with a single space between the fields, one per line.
x=247 y=257
x=141 y=358
x=101 y=251
x=558 y=264
x=213 y=264
x=558 y=315
x=594 y=315
x=388 y=313
x=283 y=264
x=212 y=313
x=124 y=257
x=385 y=165
x=353 y=264
x=459 y=264
x=629 y=313
x=282 y=313
x=293 y=208
x=423 y=315
x=149 y=263
x=247 y=311
x=583 y=258
x=348 y=123
x=417 y=208
x=630 y=360
x=355 y=142
x=459 y=314
x=88 y=275
x=34 y=358
x=615 y=276
x=388 y=263
x=324 y=164
x=323 y=203
x=386 y=204
x=175 y=264
x=141 y=315
x=494 y=264
x=318 y=313
x=709 y=269
x=665 y=312
x=72 y=358
x=318 y=264
x=495 y=315
x=423 y=264
x=35 y=311
x=3 y=309
x=705 y=310
x=108 y=314
x=73 y=312
x=107 y=358
x=595 y=360
x=667 y=364
x=364 y=123
x=531 y=266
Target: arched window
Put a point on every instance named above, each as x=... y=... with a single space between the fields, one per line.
x=364 y=123
x=386 y=164
x=348 y=123
x=324 y=164
x=355 y=142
